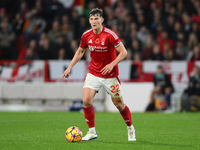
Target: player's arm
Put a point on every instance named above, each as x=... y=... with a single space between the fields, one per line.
x=122 y=54
x=78 y=55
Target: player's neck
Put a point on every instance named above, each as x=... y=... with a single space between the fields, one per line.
x=99 y=30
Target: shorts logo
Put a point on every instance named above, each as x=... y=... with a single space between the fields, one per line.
x=117 y=94
x=97 y=41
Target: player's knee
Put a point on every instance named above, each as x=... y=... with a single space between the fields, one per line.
x=87 y=102
x=120 y=106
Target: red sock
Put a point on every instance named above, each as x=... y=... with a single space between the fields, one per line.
x=126 y=114
x=89 y=116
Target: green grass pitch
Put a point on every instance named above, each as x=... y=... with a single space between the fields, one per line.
x=46 y=131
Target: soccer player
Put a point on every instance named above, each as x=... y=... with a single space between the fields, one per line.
x=103 y=44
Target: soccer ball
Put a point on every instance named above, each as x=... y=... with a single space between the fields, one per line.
x=74 y=134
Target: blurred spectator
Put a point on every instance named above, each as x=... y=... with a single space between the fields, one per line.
x=177 y=29
x=170 y=25
x=74 y=47
x=135 y=47
x=83 y=24
x=171 y=55
x=156 y=54
x=23 y=10
x=160 y=96
x=194 y=83
x=192 y=40
x=126 y=25
x=18 y=24
x=35 y=21
x=66 y=27
x=136 y=57
x=191 y=94
x=45 y=50
x=196 y=18
x=30 y=54
x=54 y=32
x=165 y=40
x=181 y=50
x=43 y=37
x=142 y=35
x=194 y=54
x=2 y=14
x=131 y=37
x=101 y=4
x=120 y=10
x=76 y=24
x=61 y=54
x=148 y=47
x=55 y=10
x=155 y=18
x=61 y=43
x=141 y=20
x=195 y=30
x=168 y=22
x=89 y=7
x=129 y=54
x=7 y=42
x=187 y=24
x=180 y=8
x=110 y=17
x=33 y=45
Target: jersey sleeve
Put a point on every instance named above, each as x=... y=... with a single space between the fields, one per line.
x=114 y=40
x=83 y=43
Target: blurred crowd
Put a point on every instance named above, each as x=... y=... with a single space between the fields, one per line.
x=150 y=29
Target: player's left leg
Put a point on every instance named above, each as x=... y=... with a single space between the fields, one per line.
x=126 y=114
x=113 y=87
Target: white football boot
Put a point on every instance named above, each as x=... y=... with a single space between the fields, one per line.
x=89 y=136
x=131 y=134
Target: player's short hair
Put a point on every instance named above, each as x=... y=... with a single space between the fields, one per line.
x=96 y=11
x=160 y=67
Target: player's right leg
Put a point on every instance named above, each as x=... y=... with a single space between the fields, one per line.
x=91 y=86
x=88 y=109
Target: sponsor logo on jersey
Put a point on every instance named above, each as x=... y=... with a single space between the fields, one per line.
x=91 y=48
x=90 y=41
x=98 y=48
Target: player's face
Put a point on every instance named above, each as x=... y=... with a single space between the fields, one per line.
x=95 y=21
x=159 y=71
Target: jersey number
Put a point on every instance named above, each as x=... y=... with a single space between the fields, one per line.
x=115 y=89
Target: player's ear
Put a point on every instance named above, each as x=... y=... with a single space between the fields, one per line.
x=102 y=20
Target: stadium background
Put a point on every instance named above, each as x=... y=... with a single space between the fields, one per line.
x=39 y=37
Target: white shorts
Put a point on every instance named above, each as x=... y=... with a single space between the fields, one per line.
x=111 y=85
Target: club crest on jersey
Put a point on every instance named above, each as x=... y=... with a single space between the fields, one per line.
x=103 y=41
x=97 y=41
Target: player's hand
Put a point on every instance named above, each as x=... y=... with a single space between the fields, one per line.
x=66 y=74
x=107 y=69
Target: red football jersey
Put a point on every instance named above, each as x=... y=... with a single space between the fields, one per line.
x=102 y=50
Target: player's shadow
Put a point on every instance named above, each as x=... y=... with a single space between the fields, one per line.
x=139 y=142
